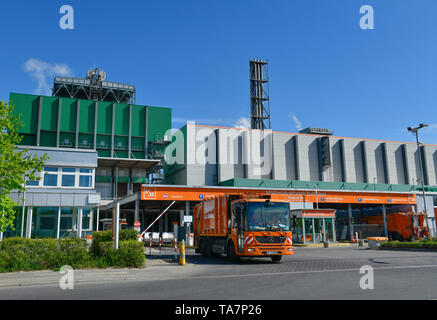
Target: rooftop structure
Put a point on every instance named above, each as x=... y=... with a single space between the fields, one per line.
x=93 y=87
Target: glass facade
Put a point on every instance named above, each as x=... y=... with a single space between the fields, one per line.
x=45 y=221
x=313 y=230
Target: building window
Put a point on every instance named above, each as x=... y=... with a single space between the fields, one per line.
x=54 y=177
x=50 y=176
x=68 y=177
x=85 y=178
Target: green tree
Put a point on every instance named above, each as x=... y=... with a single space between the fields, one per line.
x=16 y=165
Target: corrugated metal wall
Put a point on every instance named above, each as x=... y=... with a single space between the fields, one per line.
x=105 y=126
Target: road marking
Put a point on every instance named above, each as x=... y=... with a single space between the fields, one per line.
x=135 y=279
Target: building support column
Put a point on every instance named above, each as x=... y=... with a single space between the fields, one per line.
x=23 y=211
x=117 y=223
x=137 y=210
x=29 y=222
x=181 y=218
x=384 y=217
x=59 y=223
x=160 y=227
x=97 y=218
x=79 y=222
x=166 y=223
x=349 y=213
x=187 y=213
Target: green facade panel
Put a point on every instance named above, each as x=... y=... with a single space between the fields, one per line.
x=27 y=106
x=104 y=117
x=49 y=113
x=86 y=116
x=77 y=120
x=68 y=115
x=122 y=119
x=159 y=122
x=138 y=121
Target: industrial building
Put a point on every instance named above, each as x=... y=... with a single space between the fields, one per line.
x=108 y=153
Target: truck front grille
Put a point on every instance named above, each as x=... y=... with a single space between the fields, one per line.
x=270 y=239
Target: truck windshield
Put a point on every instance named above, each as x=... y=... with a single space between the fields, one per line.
x=268 y=216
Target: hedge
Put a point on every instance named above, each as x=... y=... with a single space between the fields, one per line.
x=106 y=236
x=424 y=244
x=20 y=254
x=129 y=254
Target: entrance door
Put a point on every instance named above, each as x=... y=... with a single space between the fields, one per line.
x=329 y=229
x=318 y=230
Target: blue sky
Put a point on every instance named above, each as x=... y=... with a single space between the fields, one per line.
x=192 y=56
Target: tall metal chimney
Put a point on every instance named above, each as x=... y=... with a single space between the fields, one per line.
x=259 y=95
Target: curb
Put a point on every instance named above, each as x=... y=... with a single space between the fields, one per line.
x=409 y=249
x=321 y=245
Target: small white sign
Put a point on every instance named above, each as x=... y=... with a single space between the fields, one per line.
x=188 y=218
x=94 y=199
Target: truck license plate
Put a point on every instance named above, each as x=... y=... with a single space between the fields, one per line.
x=272 y=252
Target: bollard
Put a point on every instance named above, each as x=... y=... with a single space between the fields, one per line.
x=175 y=250
x=182 y=255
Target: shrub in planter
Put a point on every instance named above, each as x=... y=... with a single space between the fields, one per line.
x=106 y=236
x=129 y=254
x=17 y=254
x=30 y=254
x=98 y=237
x=73 y=252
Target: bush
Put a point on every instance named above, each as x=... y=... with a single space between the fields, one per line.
x=98 y=237
x=423 y=244
x=20 y=254
x=106 y=236
x=129 y=254
x=74 y=252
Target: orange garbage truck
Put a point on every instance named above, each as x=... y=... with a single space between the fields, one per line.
x=243 y=226
x=402 y=226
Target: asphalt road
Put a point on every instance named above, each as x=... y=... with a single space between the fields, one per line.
x=312 y=273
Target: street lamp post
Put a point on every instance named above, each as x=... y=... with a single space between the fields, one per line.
x=415 y=131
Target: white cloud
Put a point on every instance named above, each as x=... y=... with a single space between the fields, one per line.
x=41 y=70
x=296 y=121
x=242 y=123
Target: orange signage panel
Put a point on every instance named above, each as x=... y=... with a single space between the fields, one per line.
x=200 y=194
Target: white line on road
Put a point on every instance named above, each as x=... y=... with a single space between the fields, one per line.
x=141 y=279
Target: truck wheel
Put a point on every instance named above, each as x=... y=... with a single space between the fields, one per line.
x=276 y=258
x=231 y=252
